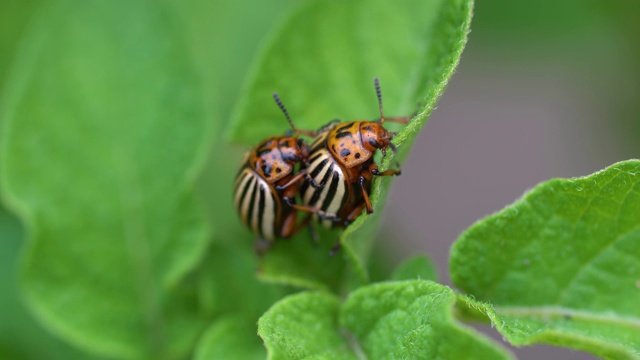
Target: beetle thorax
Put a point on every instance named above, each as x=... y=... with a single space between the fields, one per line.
x=274 y=158
x=346 y=146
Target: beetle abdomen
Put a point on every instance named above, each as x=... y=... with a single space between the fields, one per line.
x=258 y=204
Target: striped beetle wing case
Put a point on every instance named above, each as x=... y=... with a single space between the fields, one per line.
x=265 y=188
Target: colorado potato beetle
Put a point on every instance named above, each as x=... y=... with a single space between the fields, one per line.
x=267 y=183
x=341 y=165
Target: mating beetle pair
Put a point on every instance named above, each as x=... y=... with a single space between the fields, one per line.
x=334 y=180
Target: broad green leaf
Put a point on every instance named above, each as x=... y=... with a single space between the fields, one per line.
x=20 y=336
x=229 y=284
x=412 y=320
x=237 y=299
x=417 y=267
x=562 y=264
x=304 y=326
x=14 y=18
x=322 y=62
x=392 y=320
x=232 y=337
x=223 y=37
x=103 y=126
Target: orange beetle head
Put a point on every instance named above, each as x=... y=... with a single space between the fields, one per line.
x=293 y=149
x=375 y=136
x=276 y=157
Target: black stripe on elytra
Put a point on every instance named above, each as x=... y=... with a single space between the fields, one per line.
x=316 y=146
x=318 y=169
x=277 y=209
x=318 y=192
x=252 y=202
x=314 y=157
x=343 y=127
x=332 y=191
x=261 y=209
x=245 y=189
x=343 y=134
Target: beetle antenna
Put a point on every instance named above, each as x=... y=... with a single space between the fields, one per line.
x=284 y=111
x=376 y=82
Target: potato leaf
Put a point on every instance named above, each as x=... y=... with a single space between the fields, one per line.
x=391 y=320
x=102 y=123
x=562 y=265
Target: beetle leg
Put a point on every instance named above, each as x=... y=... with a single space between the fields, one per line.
x=389 y=172
x=365 y=195
x=309 y=133
x=293 y=180
x=321 y=214
x=289 y=227
x=373 y=169
x=305 y=222
x=354 y=214
x=311 y=181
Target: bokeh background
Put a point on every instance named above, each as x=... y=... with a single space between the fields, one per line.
x=544 y=89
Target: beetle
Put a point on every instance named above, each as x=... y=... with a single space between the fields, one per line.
x=267 y=183
x=341 y=166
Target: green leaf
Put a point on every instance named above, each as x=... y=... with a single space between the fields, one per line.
x=20 y=336
x=562 y=264
x=229 y=284
x=413 y=320
x=231 y=291
x=417 y=267
x=223 y=38
x=304 y=326
x=102 y=134
x=393 y=320
x=322 y=62
x=14 y=17
x=231 y=337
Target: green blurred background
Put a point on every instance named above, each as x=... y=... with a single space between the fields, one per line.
x=545 y=89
